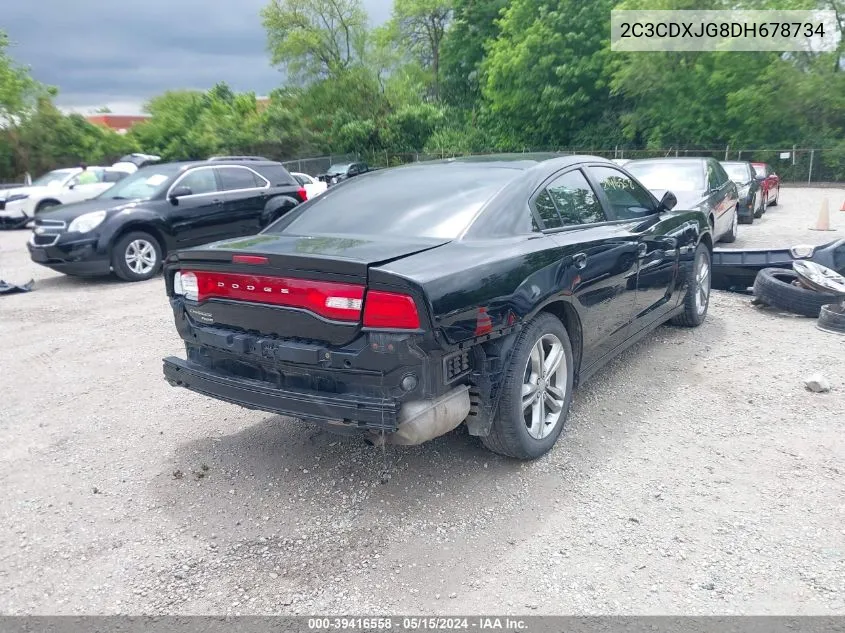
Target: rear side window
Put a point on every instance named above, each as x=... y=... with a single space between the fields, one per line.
x=300 y=180
x=627 y=199
x=234 y=178
x=568 y=200
x=276 y=174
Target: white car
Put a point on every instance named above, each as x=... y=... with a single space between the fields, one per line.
x=60 y=186
x=313 y=187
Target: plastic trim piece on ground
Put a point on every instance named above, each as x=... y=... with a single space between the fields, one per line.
x=736 y=269
x=9 y=289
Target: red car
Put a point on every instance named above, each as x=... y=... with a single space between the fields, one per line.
x=769 y=184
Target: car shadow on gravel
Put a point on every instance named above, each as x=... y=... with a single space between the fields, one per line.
x=281 y=505
x=287 y=458
x=71 y=283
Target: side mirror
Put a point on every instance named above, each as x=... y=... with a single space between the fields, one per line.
x=667 y=202
x=180 y=192
x=71 y=185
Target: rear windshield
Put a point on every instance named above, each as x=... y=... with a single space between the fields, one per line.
x=738 y=172
x=679 y=175
x=432 y=201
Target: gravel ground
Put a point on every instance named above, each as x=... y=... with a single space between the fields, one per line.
x=696 y=476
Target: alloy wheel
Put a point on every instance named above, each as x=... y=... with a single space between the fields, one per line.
x=544 y=386
x=702 y=283
x=141 y=257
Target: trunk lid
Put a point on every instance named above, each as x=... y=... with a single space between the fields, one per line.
x=295 y=292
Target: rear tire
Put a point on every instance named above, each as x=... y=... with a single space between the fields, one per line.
x=699 y=283
x=773 y=286
x=527 y=431
x=136 y=256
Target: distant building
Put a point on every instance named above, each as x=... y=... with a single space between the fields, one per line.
x=120 y=123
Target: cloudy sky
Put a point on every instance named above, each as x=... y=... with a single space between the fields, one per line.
x=119 y=53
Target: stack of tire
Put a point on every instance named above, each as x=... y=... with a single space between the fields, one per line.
x=781 y=288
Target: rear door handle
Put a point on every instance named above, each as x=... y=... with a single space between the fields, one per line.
x=579 y=260
x=217 y=201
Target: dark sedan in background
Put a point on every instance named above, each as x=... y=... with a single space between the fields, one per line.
x=751 y=201
x=129 y=228
x=343 y=171
x=403 y=304
x=700 y=184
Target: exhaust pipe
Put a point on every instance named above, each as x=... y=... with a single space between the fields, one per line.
x=423 y=420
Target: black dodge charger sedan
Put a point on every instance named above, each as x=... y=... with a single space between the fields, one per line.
x=410 y=300
x=129 y=228
x=698 y=183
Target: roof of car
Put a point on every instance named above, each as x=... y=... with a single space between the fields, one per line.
x=187 y=164
x=519 y=160
x=670 y=159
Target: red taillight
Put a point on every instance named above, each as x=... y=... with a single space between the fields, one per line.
x=329 y=299
x=390 y=310
x=249 y=259
x=303 y=195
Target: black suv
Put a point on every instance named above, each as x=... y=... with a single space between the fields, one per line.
x=129 y=228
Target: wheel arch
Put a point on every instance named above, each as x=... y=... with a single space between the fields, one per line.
x=276 y=203
x=566 y=314
x=495 y=356
x=41 y=202
x=144 y=226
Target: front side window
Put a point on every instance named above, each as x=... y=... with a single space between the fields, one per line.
x=199 y=181
x=627 y=199
x=568 y=200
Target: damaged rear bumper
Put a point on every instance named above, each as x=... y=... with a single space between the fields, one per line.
x=368 y=412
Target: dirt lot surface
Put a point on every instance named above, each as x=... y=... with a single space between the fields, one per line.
x=696 y=475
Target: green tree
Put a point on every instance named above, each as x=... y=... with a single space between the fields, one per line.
x=546 y=72
x=315 y=38
x=420 y=27
x=474 y=26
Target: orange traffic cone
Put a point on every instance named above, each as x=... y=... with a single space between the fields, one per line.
x=823 y=222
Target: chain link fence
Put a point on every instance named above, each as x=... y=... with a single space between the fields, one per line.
x=794 y=165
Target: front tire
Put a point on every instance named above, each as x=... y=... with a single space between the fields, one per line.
x=758 y=213
x=536 y=391
x=730 y=237
x=697 y=299
x=136 y=256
